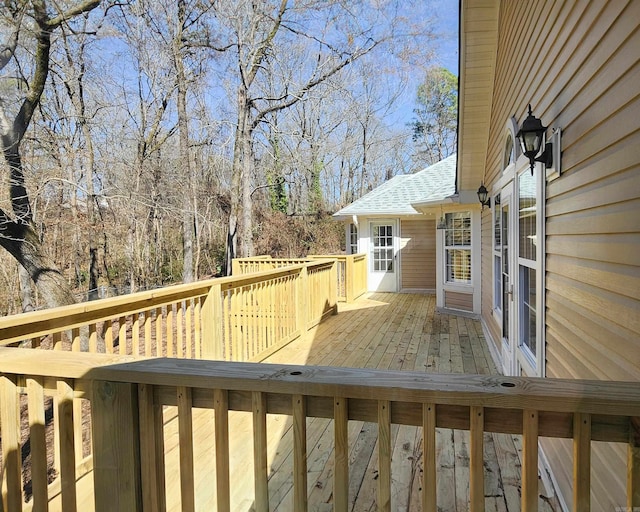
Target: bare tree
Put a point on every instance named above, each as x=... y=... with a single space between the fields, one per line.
x=262 y=35
x=18 y=234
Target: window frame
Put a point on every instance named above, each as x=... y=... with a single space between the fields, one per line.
x=463 y=247
x=531 y=362
x=352 y=231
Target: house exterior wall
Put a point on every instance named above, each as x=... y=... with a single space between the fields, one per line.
x=418 y=254
x=415 y=251
x=577 y=64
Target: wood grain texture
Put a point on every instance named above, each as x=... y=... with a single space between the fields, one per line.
x=581 y=462
x=259 y=404
x=116 y=447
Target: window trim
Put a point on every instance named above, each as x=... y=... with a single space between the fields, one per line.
x=464 y=214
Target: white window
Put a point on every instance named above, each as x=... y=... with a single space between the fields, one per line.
x=353 y=239
x=457 y=247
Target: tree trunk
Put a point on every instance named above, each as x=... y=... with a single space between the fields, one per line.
x=239 y=236
x=185 y=161
x=22 y=242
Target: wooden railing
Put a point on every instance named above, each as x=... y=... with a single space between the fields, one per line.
x=351 y=274
x=234 y=318
x=240 y=318
x=128 y=395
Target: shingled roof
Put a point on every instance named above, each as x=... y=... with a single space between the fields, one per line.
x=395 y=196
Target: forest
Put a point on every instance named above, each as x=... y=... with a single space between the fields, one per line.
x=149 y=142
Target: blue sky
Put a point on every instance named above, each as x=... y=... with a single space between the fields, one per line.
x=446 y=22
x=446 y=12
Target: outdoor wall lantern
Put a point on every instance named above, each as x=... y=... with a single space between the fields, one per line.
x=531 y=136
x=483 y=196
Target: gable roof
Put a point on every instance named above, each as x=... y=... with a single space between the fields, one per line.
x=397 y=195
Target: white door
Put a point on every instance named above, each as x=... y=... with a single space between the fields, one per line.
x=507 y=226
x=383 y=257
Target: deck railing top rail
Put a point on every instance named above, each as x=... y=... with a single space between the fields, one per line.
x=496 y=391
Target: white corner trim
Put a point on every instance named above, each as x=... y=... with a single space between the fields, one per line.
x=548 y=478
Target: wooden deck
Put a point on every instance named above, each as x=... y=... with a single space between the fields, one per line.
x=384 y=331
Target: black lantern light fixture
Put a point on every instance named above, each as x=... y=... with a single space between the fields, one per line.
x=531 y=135
x=483 y=196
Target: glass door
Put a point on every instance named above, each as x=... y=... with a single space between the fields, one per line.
x=509 y=359
x=383 y=256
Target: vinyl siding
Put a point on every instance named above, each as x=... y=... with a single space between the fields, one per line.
x=457 y=300
x=418 y=254
x=578 y=65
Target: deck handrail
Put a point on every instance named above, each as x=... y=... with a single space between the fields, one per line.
x=179 y=315
x=130 y=393
x=351 y=275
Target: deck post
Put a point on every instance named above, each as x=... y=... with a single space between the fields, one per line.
x=349 y=269
x=211 y=337
x=116 y=456
x=633 y=465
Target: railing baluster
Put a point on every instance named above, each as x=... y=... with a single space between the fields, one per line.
x=226 y=318
x=152 y=460
x=9 y=419
x=384 y=455
x=122 y=335
x=476 y=459
x=633 y=465
x=75 y=340
x=259 y=405
x=530 y=461
x=188 y=320
x=429 y=496
x=581 y=462
x=299 y=453
x=56 y=338
x=180 y=330
x=37 y=440
x=185 y=429
x=77 y=430
x=197 y=322
x=93 y=338
x=159 y=342
x=108 y=336
x=135 y=334
x=66 y=445
x=341 y=470
x=221 y=407
x=169 y=330
x=147 y=332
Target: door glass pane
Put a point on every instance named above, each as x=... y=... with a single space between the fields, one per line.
x=505 y=271
x=383 y=248
x=528 y=308
x=527 y=215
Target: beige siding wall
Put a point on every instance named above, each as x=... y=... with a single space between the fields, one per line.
x=578 y=64
x=418 y=254
x=457 y=300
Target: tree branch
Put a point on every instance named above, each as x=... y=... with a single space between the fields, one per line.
x=311 y=84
